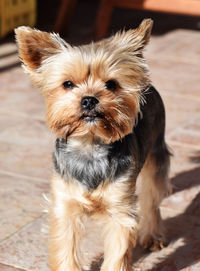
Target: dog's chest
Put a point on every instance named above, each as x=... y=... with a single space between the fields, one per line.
x=90 y=165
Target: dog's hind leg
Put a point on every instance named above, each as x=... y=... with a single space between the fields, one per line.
x=154 y=187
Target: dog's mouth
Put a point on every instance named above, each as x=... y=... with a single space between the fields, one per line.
x=91 y=116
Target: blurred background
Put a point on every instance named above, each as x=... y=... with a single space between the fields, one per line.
x=26 y=144
x=80 y=21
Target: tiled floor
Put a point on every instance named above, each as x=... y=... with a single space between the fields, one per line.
x=25 y=162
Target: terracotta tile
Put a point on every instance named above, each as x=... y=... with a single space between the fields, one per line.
x=174 y=64
x=4 y=267
x=179 y=110
x=18 y=95
x=25 y=160
x=188 y=134
x=179 y=201
x=8 y=48
x=22 y=130
x=31 y=244
x=183 y=235
x=183 y=159
x=176 y=77
x=27 y=249
x=184 y=173
x=21 y=202
x=194 y=124
x=186 y=137
x=8 y=61
x=25 y=146
x=180 y=45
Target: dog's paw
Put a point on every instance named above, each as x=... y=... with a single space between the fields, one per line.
x=153 y=243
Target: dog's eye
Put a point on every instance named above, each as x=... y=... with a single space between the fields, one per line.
x=111 y=85
x=68 y=84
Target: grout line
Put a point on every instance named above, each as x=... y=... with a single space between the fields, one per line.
x=22 y=228
x=10 y=236
x=167 y=93
x=171 y=57
x=182 y=126
x=14 y=266
x=7 y=51
x=181 y=144
x=23 y=115
x=174 y=131
x=18 y=175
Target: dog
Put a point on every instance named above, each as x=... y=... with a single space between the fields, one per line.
x=110 y=127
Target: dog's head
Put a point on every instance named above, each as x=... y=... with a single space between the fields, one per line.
x=93 y=90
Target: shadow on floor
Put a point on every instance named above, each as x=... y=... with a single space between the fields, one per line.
x=187 y=227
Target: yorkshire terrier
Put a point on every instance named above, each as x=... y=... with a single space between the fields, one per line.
x=110 y=126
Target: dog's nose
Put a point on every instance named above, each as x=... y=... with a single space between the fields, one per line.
x=89 y=102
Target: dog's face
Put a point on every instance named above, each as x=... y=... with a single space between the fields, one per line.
x=92 y=90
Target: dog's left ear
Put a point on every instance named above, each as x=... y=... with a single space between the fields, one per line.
x=36 y=46
x=134 y=40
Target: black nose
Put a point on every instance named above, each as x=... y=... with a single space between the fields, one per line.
x=89 y=102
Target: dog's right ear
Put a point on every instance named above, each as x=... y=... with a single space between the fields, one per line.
x=36 y=46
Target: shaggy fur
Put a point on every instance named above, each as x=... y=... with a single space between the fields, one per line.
x=110 y=126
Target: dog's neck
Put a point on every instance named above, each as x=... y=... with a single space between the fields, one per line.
x=85 y=144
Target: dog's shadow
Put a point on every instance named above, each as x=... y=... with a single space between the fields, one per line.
x=184 y=227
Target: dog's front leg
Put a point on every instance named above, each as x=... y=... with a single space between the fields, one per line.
x=117 y=248
x=66 y=225
x=120 y=229
x=118 y=243
x=65 y=235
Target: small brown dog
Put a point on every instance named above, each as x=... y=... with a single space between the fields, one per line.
x=110 y=125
